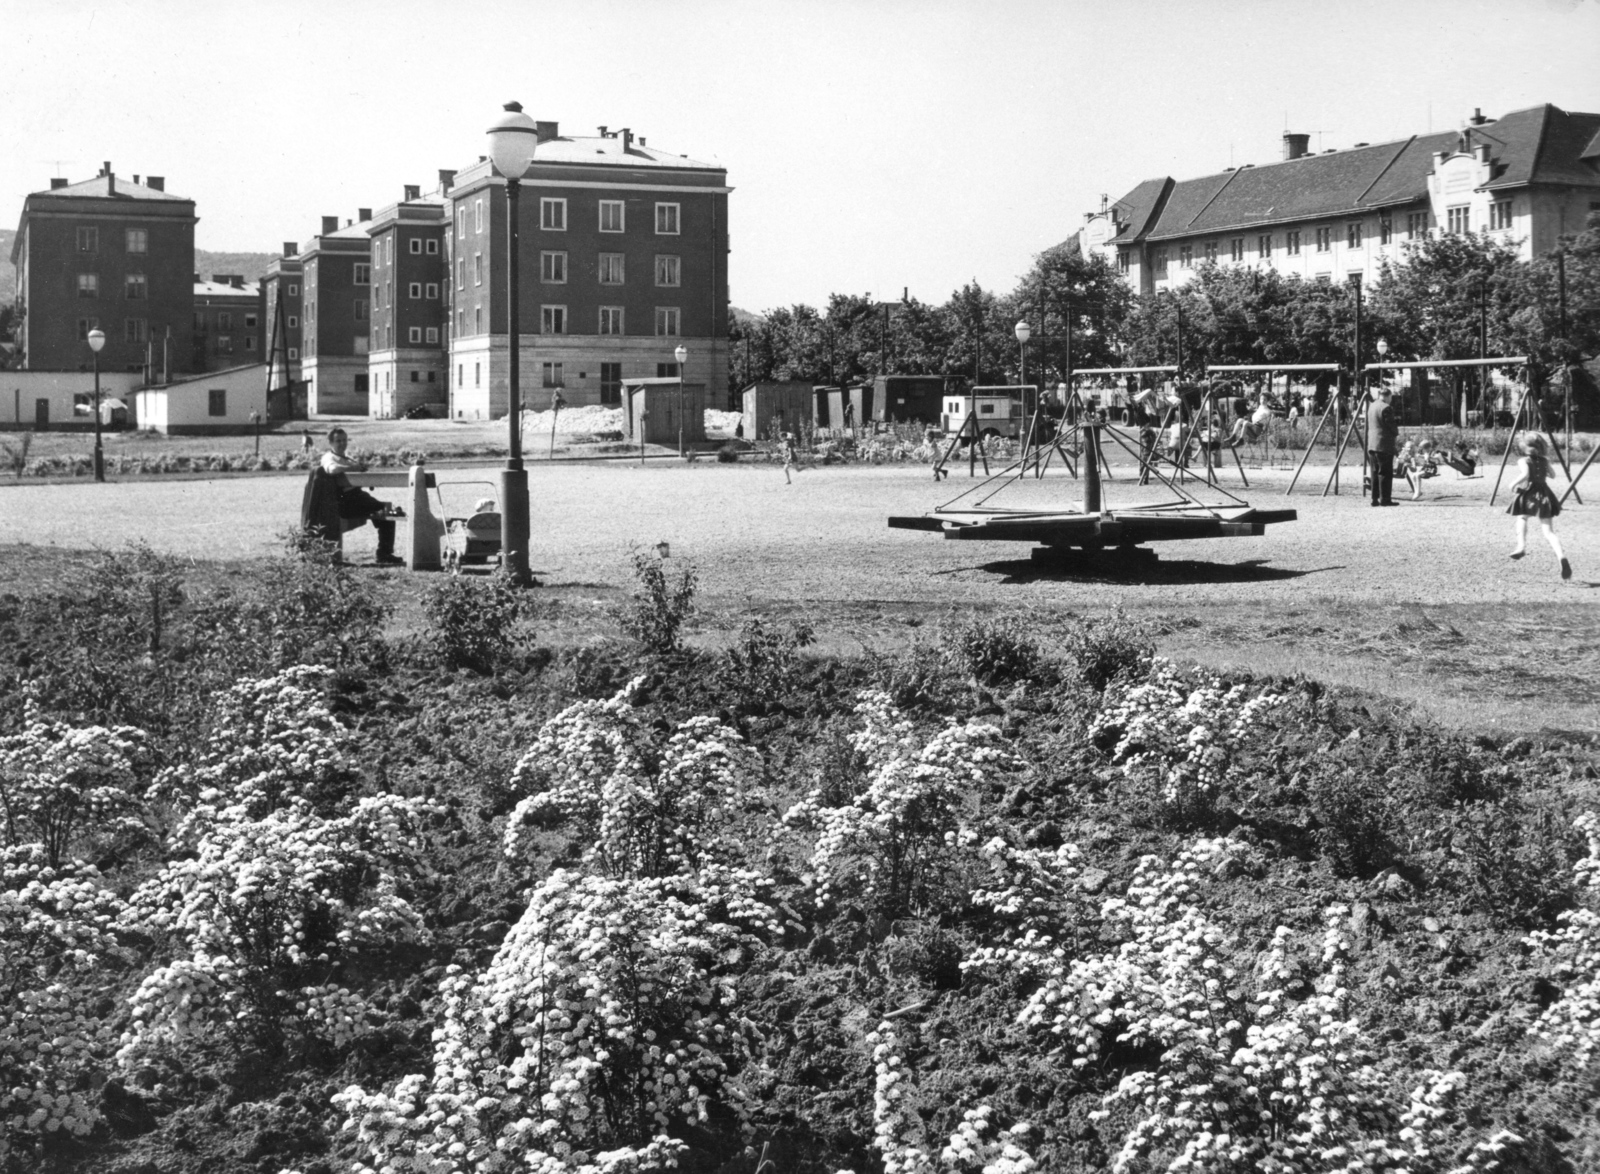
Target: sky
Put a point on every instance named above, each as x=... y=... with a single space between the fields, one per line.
x=873 y=146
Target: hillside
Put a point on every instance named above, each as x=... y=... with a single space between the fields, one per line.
x=251 y=265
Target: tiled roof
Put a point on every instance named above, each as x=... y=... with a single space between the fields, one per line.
x=100 y=186
x=1544 y=144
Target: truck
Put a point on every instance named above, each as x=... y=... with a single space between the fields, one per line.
x=999 y=411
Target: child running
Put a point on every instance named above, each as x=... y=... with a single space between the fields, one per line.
x=1532 y=497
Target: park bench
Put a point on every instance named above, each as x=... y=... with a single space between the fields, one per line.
x=419 y=546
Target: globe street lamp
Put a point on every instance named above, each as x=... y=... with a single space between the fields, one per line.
x=512 y=138
x=97 y=339
x=681 y=353
x=1023 y=332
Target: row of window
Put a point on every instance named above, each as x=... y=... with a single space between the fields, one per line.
x=612 y=320
x=134 y=240
x=553 y=375
x=611 y=267
x=133 y=329
x=419 y=246
x=134 y=286
x=611 y=216
x=224 y=320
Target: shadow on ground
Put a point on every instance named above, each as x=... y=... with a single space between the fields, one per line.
x=1145 y=571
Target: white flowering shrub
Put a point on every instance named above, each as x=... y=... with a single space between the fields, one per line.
x=1179 y=737
x=267 y=912
x=57 y=927
x=1033 y=904
x=639 y=808
x=898 y=833
x=1571 y=1024
x=60 y=782
x=603 y=1028
x=979 y=1144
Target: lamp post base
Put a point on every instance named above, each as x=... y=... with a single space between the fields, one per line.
x=513 y=485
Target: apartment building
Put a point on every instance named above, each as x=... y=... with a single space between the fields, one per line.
x=335 y=332
x=108 y=253
x=1528 y=178
x=282 y=298
x=623 y=258
x=227 y=322
x=408 y=361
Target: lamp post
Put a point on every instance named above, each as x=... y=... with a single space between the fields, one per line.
x=97 y=339
x=512 y=138
x=1024 y=332
x=1383 y=353
x=681 y=353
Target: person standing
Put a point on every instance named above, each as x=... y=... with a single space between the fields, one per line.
x=1382 y=434
x=1532 y=497
x=789 y=455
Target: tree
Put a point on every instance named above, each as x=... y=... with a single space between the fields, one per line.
x=1427 y=306
x=1087 y=291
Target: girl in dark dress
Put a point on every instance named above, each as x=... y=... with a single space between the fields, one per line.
x=1532 y=497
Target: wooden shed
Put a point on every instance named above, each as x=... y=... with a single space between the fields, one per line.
x=652 y=409
x=772 y=406
x=908 y=399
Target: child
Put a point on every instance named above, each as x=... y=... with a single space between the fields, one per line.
x=1417 y=461
x=789 y=455
x=1532 y=497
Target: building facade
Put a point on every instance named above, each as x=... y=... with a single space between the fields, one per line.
x=623 y=258
x=282 y=309
x=227 y=323
x=1527 y=178
x=407 y=363
x=108 y=254
x=335 y=332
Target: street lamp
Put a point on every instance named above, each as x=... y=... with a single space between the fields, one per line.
x=512 y=138
x=1023 y=332
x=97 y=339
x=681 y=353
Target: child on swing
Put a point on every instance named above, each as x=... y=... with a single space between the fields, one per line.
x=1417 y=461
x=1532 y=497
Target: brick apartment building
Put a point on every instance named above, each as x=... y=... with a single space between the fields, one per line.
x=1528 y=178
x=281 y=286
x=623 y=259
x=407 y=362
x=227 y=323
x=108 y=253
x=335 y=331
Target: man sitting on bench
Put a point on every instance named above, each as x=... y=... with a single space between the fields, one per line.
x=357 y=504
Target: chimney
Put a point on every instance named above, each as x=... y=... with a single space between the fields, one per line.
x=545 y=131
x=627 y=137
x=1477 y=118
x=413 y=191
x=363 y=213
x=330 y=224
x=290 y=248
x=447 y=176
x=641 y=140
x=237 y=281
x=58 y=181
x=136 y=179
x=197 y=279
x=603 y=132
x=1296 y=146
x=156 y=183
x=105 y=168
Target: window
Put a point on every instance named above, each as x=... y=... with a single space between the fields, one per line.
x=1185 y=256
x=477 y=214
x=1416 y=224
x=433 y=336
x=1211 y=252
x=611 y=268
x=217 y=401
x=552 y=375
x=1324 y=239
x=666 y=370
x=414 y=290
x=416 y=335
x=294 y=291
x=1385 y=230
x=1291 y=243
x=433 y=291
x=135 y=287
x=416 y=377
x=553 y=268
x=610 y=319
x=611 y=215
x=388 y=250
x=1159 y=262
x=224 y=344
x=553 y=214
x=433 y=247
x=294 y=323
x=668 y=269
x=361 y=383
x=137 y=240
x=1122 y=261
x=666 y=219
x=477 y=319
x=294 y=352
x=461 y=273
x=1236 y=249
x=136 y=330
x=249 y=321
x=363 y=273
x=1264 y=246
x=611 y=383
x=1456 y=218
x=224 y=320
x=88 y=285
x=477 y=268
x=461 y=322
x=199 y=321
x=1500 y=214
x=667 y=321
x=553 y=319
x=88 y=240
x=249 y=342
x=461 y=223
x=416 y=246
x=477 y=375
x=1352 y=235
x=85 y=325
x=361 y=309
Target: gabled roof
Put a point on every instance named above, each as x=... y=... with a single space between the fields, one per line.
x=1140 y=207
x=114 y=187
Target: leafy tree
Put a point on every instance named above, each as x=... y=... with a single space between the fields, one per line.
x=1088 y=292
x=1427 y=305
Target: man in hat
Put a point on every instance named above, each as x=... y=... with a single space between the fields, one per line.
x=1383 y=432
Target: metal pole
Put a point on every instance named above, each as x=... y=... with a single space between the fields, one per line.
x=1566 y=363
x=99 y=456
x=680 y=411
x=514 y=477
x=1356 y=378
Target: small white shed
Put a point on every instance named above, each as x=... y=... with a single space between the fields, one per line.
x=217 y=402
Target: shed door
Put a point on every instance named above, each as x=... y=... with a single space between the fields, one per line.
x=41 y=413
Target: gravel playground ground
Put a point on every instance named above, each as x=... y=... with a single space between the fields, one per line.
x=1419 y=602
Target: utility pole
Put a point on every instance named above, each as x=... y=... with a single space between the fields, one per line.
x=1566 y=357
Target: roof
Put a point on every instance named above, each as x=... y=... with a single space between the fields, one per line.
x=101 y=186
x=609 y=150
x=213 y=289
x=1543 y=144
